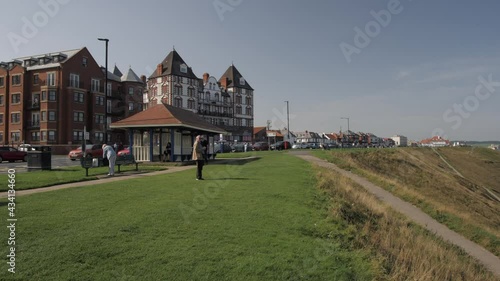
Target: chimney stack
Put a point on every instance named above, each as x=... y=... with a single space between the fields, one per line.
x=224 y=82
x=205 y=77
x=143 y=78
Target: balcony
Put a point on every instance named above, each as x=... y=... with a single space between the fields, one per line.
x=117 y=112
x=33 y=105
x=214 y=113
x=118 y=95
x=33 y=124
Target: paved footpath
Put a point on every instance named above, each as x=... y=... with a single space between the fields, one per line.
x=491 y=261
x=102 y=179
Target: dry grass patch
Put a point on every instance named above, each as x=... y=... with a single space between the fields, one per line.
x=405 y=250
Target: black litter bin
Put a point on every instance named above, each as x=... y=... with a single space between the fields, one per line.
x=40 y=158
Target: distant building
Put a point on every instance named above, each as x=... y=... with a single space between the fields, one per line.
x=400 y=140
x=435 y=141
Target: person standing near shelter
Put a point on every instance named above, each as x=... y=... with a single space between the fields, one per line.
x=109 y=152
x=198 y=157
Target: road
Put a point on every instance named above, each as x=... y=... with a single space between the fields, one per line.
x=58 y=161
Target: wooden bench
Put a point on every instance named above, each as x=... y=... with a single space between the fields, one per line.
x=126 y=160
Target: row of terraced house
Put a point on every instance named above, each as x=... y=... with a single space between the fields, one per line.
x=59 y=98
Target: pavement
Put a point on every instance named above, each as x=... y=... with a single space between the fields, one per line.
x=101 y=179
x=485 y=257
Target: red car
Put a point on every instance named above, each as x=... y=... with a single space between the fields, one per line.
x=93 y=150
x=11 y=154
x=124 y=151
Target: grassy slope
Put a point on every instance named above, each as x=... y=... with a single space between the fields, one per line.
x=421 y=177
x=259 y=221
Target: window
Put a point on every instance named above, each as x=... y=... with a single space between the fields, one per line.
x=130 y=106
x=52 y=95
x=191 y=92
x=139 y=107
x=78 y=116
x=216 y=97
x=191 y=104
x=108 y=107
x=35 y=79
x=43 y=117
x=99 y=137
x=15 y=136
x=15 y=117
x=178 y=90
x=130 y=90
x=249 y=110
x=78 y=97
x=238 y=99
x=84 y=61
x=77 y=135
x=51 y=79
x=35 y=136
x=16 y=79
x=16 y=98
x=74 y=80
x=52 y=116
x=44 y=136
x=242 y=81
x=207 y=96
x=2 y=81
x=238 y=110
x=183 y=68
x=178 y=102
x=1 y=118
x=44 y=95
x=1 y=137
x=249 y=100
x=99 y=100
x=99 y=119
x=95 y=85
x=52 y=135
x=1 y=99
x=108 y=89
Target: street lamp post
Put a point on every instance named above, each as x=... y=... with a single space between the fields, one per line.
x=348 y=130
x=288 y=121
x=105 y=91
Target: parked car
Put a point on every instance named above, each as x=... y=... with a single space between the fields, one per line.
x=239 y=147
x=25 y=147
x=222 y=148
x=93 y=150
x=281 y=145
x=260 y=146
x=12 y=154
x=300 y=145
x=124 y=151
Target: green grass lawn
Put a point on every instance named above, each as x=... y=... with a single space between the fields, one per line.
x=264 y=220
x=37 y=179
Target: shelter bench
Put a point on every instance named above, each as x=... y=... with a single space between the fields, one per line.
x=126 y=160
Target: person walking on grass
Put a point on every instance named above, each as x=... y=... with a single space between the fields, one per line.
x=109 y=152
x=198 y=157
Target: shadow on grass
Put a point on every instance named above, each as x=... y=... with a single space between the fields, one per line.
x=232 y=161
x=221 y=179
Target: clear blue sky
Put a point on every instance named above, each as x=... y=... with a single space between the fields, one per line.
x=417 y=76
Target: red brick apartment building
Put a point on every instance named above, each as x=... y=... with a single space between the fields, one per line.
x=48 y=99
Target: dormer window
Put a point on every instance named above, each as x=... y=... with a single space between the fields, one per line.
x=184 y=68
x=242 y=81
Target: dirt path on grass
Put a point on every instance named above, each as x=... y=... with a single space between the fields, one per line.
x=102 y=179
x=491 y=261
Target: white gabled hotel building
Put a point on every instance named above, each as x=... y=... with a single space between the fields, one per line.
x=226 y=103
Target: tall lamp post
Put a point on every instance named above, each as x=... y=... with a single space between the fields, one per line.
x=348 y=130
x=105 y=91
x=287 y=121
